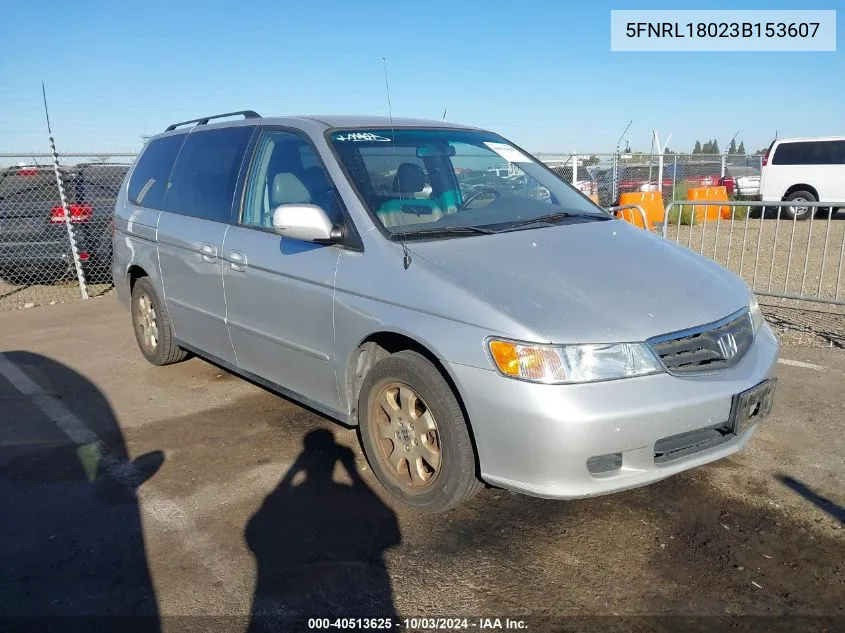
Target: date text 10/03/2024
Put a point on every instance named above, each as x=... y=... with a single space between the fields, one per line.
x=418 y=624
x=721 y=29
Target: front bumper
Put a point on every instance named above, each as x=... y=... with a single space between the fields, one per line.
x=537 y=439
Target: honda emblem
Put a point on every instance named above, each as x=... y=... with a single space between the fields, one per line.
x=727 y=345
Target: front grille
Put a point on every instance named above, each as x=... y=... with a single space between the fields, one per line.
x=706 y=348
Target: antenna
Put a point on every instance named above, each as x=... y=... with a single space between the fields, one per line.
x=406 y=260
x=46 y=112
x=733 y=138
x=623 y=134
x=444 y=114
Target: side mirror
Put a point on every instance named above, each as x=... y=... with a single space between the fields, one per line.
x=306 y=222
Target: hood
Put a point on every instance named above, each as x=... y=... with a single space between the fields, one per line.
x=595 y=282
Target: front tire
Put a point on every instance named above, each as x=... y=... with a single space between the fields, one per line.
x=798 y=212
x=415 y=435
x=153 y=331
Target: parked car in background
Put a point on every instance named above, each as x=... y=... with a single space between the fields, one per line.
x=585 y=182
x=741 y=182
x=630 y=178
x=475 y=336
x=804 y=170
x=34 y=244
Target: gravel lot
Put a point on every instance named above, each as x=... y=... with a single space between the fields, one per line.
x=218 y=523
x=18 y=297
x=785 y=249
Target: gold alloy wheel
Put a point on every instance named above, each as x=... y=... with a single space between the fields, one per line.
x=146 y=322
x=406 y=436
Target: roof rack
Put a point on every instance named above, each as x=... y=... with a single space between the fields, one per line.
x=248 y=114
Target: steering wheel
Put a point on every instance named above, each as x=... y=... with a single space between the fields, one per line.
x=475 y=195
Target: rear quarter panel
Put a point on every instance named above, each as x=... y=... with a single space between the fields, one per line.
x=134 y=244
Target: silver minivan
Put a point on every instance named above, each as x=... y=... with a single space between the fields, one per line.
x=476 y=329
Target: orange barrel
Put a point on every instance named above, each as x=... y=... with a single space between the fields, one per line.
x=650 y=201
x=709 y=212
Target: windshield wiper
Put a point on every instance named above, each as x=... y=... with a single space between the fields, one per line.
x=555 y=217
x=445 y=231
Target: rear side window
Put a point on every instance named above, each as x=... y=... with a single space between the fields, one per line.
x=149 y=179
x=206 y=173
x=810 y=153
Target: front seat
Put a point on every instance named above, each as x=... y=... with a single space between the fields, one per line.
x=286 y=188
x=409 y=180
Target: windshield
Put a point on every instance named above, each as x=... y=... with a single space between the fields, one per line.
x=421 y=181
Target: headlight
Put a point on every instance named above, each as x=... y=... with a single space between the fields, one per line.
x=557 y=364
x=756 y=313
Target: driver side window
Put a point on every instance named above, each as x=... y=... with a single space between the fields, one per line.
x=286 y=170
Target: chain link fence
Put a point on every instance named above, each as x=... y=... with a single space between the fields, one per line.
x=605 y=176
x=37 y=263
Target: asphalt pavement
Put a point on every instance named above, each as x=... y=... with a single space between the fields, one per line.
x=184 y=498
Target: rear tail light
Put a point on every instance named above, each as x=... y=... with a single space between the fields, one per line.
x=765 y=158
x=78 y=213
x=84 y=257
x=27 y=171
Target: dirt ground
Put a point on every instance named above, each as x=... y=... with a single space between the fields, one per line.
x=192 y=503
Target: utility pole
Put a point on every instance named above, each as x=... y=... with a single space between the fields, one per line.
x=661 y=149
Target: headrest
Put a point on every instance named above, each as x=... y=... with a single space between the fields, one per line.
x=410 y=178
x=288 y=189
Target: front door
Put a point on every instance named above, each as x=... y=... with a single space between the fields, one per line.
x=279 y=291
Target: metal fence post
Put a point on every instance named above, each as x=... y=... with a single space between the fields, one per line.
x=80 y=274
x=724 y=159
x=613 y=186
x=674 y=174
x=660 y=173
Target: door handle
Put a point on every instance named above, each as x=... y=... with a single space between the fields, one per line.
x=209 y=252
x=237 y=261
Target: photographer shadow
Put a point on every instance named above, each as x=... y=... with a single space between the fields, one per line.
x=319 y=544
x=72 y=546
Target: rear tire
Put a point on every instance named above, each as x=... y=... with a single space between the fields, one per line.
x=415 y=435
x=797 y=212
x=153 y=331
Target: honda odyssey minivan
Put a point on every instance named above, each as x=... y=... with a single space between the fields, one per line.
x=519 y=337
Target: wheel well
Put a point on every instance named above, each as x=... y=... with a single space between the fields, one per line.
x=807 y=188
x=135 y=273
x=381 y=345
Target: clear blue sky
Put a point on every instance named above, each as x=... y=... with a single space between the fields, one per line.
x=541 y=73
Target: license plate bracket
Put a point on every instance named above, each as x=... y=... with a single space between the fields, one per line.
x=752 y=405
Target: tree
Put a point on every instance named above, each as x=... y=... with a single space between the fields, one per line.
x=715 y=147
x=697 y=148
x=732 y=147
x=741 y=149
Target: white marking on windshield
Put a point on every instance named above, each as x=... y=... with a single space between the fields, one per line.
x=508 y=152
x=362 y=136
